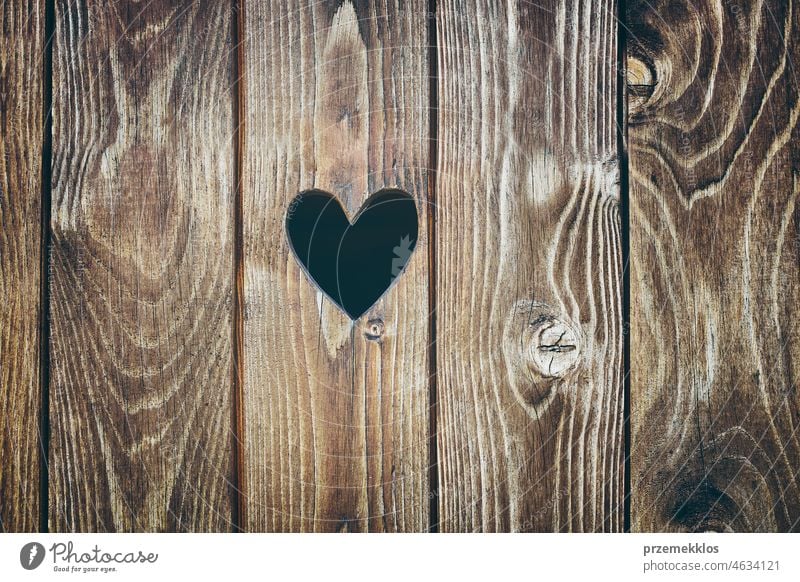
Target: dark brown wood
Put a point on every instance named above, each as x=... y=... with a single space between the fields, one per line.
x=142 y=266
x=335 y=97
x=21 y=103
x=189 y=353
x=715 y=295
x=529 y=319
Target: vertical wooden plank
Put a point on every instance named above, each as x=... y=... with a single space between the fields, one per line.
x=529 y=268
x=715 y=308
x=142 y=266
x=21 y=91
x=335 y=413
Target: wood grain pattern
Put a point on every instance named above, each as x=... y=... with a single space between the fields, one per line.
x=714 y=247
x=142 y=266
x=529 y=268
x=21 y=92
x=335 y=98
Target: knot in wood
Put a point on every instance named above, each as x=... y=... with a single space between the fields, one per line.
x=638 y=73
x=541 y=347
x=552 y=346
x=641 y=81
x=374 y=329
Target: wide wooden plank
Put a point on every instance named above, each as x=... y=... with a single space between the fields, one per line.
x=142 y=266
x=335 y=412
x=529 y=322
x=715 y=295
x=21 y=91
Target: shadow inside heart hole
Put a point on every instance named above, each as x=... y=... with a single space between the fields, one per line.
x=354 y=264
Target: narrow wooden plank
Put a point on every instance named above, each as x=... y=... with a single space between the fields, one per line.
x=529 y=335
x=142 y=266
x=335 y=413
x=715 y=296
x=21 y=92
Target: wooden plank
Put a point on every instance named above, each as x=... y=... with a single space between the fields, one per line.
x=21 y=97
x=335 y=413
x=529 y=334
x=715 y=306
x=142 y=266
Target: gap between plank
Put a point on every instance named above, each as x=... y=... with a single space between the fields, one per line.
x=433 y=162
x=624 y=205
x=44 y=267
x=238 y=512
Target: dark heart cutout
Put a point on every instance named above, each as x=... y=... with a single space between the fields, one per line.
x=354 y=264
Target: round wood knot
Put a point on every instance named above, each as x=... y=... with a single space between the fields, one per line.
x=641 y=81
x=541 y=347
x=374 y=329
x=638 y=73
x=552 y=346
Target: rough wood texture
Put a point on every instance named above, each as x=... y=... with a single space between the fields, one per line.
x=715 y=294
x=142 y=266
x=21 y=51
x=335 y=414
x=529 y=268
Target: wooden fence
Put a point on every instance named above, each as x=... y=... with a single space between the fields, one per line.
x=598 y=328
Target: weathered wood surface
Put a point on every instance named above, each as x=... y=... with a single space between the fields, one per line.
x=180 y=321
x=142 y=266
x=529 y=334
x=21 y=102
x=715 y=296
x=335 y=414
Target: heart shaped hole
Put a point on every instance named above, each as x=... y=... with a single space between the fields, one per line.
x=353 y=263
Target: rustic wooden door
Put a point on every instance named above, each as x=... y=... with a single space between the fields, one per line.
x=589 y=215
